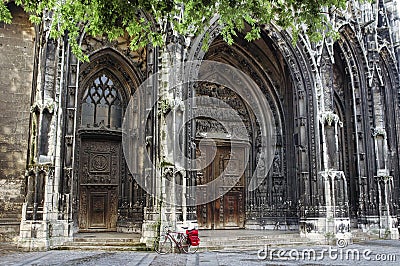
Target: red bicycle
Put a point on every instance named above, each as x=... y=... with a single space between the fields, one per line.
x=188 y=243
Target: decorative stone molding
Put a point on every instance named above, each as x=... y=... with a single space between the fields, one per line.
x=33 y=168
x=330 y=173
x=91 y=45
x=379 y=131
x=168 y=173
x=179 y=104
x=49 y=105
x=383 y=175
x=329 y=117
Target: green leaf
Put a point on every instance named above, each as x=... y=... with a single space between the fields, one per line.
x=115 y=18
x=5 y=15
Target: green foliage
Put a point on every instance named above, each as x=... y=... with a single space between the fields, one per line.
x=5 y=14
x=115 y=17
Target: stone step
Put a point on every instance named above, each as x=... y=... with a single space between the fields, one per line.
x=104 y=243
x=243 y=238
x=107 y=244
x=250 y=238
x=209 y=240
x=103 y=248
x=249 y=246
x=107 y=240
x=360 y=236
x=256 y=238
x=251 y=243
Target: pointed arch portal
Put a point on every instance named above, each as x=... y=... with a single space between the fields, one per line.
x=109 y=198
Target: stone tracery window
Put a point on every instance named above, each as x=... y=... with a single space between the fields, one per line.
x=102 y=103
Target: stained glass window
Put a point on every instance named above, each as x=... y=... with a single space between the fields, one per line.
x=102 y=104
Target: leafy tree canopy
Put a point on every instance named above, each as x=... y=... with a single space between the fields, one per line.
x=115 y=17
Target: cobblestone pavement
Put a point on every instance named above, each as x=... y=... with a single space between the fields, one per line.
x=385 y=252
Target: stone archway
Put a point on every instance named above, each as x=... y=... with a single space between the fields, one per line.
x=109 y=199
x=273 y=201
x=284 y=78
x=100 y=153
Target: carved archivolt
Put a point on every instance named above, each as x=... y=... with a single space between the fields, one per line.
x=296 y=66
x=91 y=45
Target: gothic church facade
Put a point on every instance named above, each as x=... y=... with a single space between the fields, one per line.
x=334 y=105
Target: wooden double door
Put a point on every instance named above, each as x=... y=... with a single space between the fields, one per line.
x=226 y=212
x=99 y=174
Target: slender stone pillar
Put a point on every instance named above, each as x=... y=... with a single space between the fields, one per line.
x=331 y=221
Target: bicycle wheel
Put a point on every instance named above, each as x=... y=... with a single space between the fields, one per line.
x=186 y=247
x=163 y=245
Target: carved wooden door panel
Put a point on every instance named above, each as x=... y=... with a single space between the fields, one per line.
x=99 y=173
x=98 y=210
x=228 y=210
x=231 y=209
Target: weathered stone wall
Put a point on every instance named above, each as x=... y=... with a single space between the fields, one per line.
x=16 y=72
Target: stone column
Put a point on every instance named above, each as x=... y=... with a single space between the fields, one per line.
x=40 y=226
x=379 y=186
x=332 y=216
x=172 y=113
x=384 y=181
x=334 y=221
x=170 y=162
x=151 y=217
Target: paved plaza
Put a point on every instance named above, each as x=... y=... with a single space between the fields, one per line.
x=378 y=252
